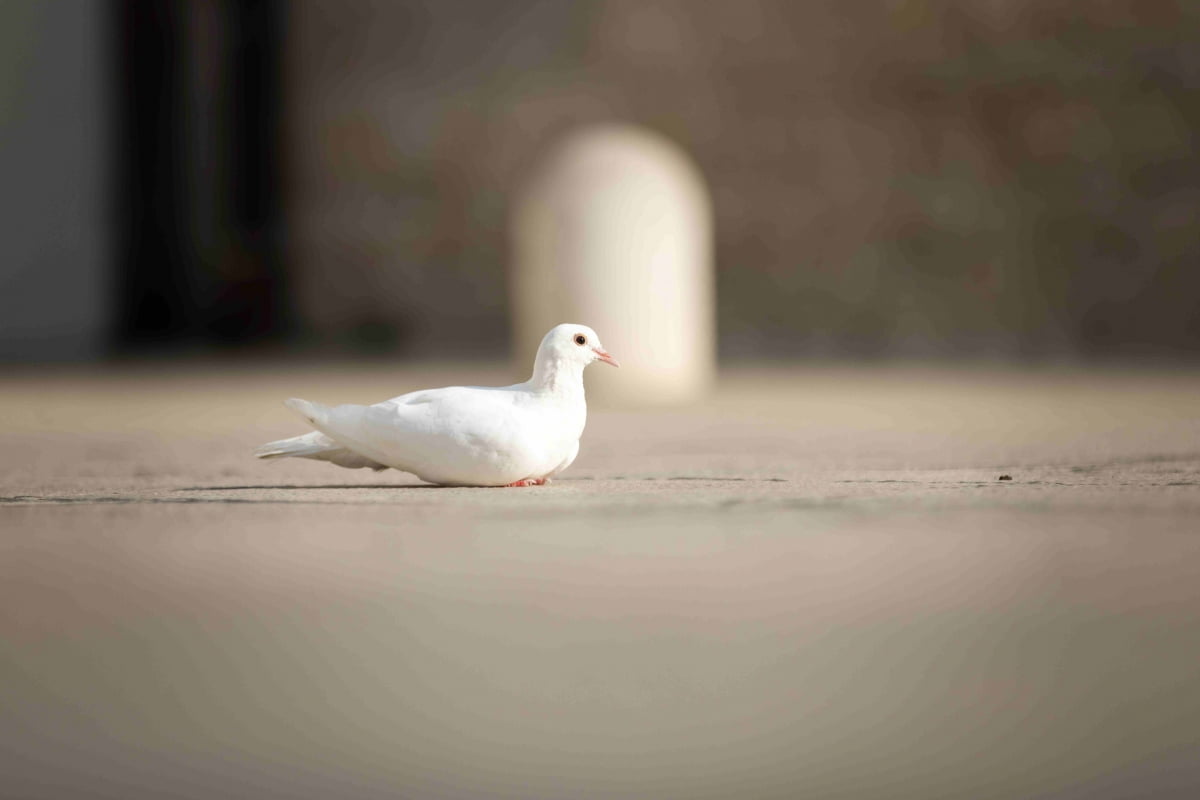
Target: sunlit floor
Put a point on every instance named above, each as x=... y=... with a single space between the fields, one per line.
x=813 y=584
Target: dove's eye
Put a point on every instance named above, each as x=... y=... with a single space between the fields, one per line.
x=580 y=339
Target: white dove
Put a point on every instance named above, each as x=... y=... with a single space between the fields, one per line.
x=518 y=435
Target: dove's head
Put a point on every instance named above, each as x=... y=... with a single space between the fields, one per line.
x=575 y=344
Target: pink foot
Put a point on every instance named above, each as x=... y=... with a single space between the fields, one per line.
x=529 y=482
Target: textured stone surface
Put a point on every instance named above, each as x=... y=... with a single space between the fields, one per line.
x=814 y=579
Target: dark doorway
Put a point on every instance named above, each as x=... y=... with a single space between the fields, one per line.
x=199 y=211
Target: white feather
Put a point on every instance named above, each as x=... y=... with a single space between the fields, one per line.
x=318 y=446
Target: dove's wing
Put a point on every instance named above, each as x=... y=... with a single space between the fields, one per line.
x=454 y=435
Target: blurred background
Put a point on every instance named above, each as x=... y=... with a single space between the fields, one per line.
x=1007 y=180
x=931 y=534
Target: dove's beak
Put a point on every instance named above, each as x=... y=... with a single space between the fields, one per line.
x=605 y=357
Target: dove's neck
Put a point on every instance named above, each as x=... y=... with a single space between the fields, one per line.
x=558 y=376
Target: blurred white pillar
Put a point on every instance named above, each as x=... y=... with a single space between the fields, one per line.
x=615 y=232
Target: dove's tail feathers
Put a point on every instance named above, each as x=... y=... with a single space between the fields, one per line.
x=306 y=446
x=319 y=447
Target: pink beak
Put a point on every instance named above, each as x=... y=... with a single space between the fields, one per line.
x=605 y=357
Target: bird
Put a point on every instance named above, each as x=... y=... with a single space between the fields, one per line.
x=519 y=435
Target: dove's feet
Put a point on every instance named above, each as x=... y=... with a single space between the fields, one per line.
x=529 y=482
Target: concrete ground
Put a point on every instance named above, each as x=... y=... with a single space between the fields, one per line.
x=813 y=584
